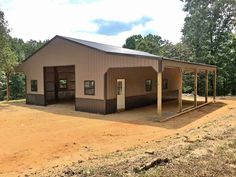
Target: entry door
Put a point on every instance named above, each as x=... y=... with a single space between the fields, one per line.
x=120 y=94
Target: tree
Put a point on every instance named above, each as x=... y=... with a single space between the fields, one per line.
x=18 y=46
x=150 y=43
x=3 y=42
x=208 y=32
x=3 y=31
x=24 y=49
x=132 y=41
x=8 y=62
x=232 y=67
x=32 y=45
x=178 y=51
x=154 y=44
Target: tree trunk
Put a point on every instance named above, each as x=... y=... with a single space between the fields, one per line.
x=8 y=87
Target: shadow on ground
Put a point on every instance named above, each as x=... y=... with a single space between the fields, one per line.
x=140 y=116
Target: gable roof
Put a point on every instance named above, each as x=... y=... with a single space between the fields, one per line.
x=115 y=50
x=110 y=48
x=119 y=50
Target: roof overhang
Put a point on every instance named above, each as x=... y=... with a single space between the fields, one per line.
x=186 y=65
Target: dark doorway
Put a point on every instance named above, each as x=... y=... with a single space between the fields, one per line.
x=59 y=84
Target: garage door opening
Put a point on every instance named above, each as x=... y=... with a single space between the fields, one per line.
x=59 y=84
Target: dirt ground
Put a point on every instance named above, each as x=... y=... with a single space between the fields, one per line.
x=57 y=141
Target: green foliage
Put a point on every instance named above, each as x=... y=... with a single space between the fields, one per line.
x=17 y=45
x=3 y=41
x=12 y=52
x=156 y=45
x=2 y=86
x=3 y=31
x=17 y=86
x=8 y=61
x=188 y=83
x=133 y=41
x=208 y=32
x=24 y=49
x=178 y=51
x=31 y=46
x=150 y=43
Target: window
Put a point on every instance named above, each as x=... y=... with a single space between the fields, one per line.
x=62 y=84
x=119 y=88
x=89 y=87
x=148 y=85
x=165 y=84
x=34 y=86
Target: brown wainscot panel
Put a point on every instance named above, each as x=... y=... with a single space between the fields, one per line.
x=111 y=106
x=35 y=99
x=140 y=100
x=131 y=102
x=90 y=105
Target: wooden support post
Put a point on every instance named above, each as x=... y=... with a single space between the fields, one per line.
x=25 y=85
x=180 y=89
x=206 y=87
x=195 y=88
x=159 y=93
x=214 y=86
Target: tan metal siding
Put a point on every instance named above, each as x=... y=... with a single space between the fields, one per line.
x=90 y=64
x=172 y=75
x=134 y=81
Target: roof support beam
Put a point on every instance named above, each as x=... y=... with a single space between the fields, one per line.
x=206 y=86
x=180 y=102
x=195 y=88
x=159 y=93
x=214 y=86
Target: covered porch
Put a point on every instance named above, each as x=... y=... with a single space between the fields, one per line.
x=184 y=102
x=164 y=87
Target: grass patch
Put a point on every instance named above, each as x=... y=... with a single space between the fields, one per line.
x=152 y=173
x=232 y=144
x=13 y=101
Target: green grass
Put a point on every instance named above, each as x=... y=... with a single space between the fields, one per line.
x=156 y=172
x=13 y=101
x=232 y=144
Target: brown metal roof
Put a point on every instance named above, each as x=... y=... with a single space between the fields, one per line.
x=110 y=48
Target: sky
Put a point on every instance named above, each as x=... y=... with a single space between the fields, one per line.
x=105 y=21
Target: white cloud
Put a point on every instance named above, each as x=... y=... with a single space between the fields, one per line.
x=33 y=19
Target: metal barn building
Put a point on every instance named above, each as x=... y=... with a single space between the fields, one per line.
x=105 y=79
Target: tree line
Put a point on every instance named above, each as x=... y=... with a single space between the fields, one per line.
x=208 y=36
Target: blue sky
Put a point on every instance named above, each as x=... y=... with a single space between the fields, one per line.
x=107 y=21
x=112 y=27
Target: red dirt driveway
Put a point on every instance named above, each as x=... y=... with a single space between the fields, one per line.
x=32 y=137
